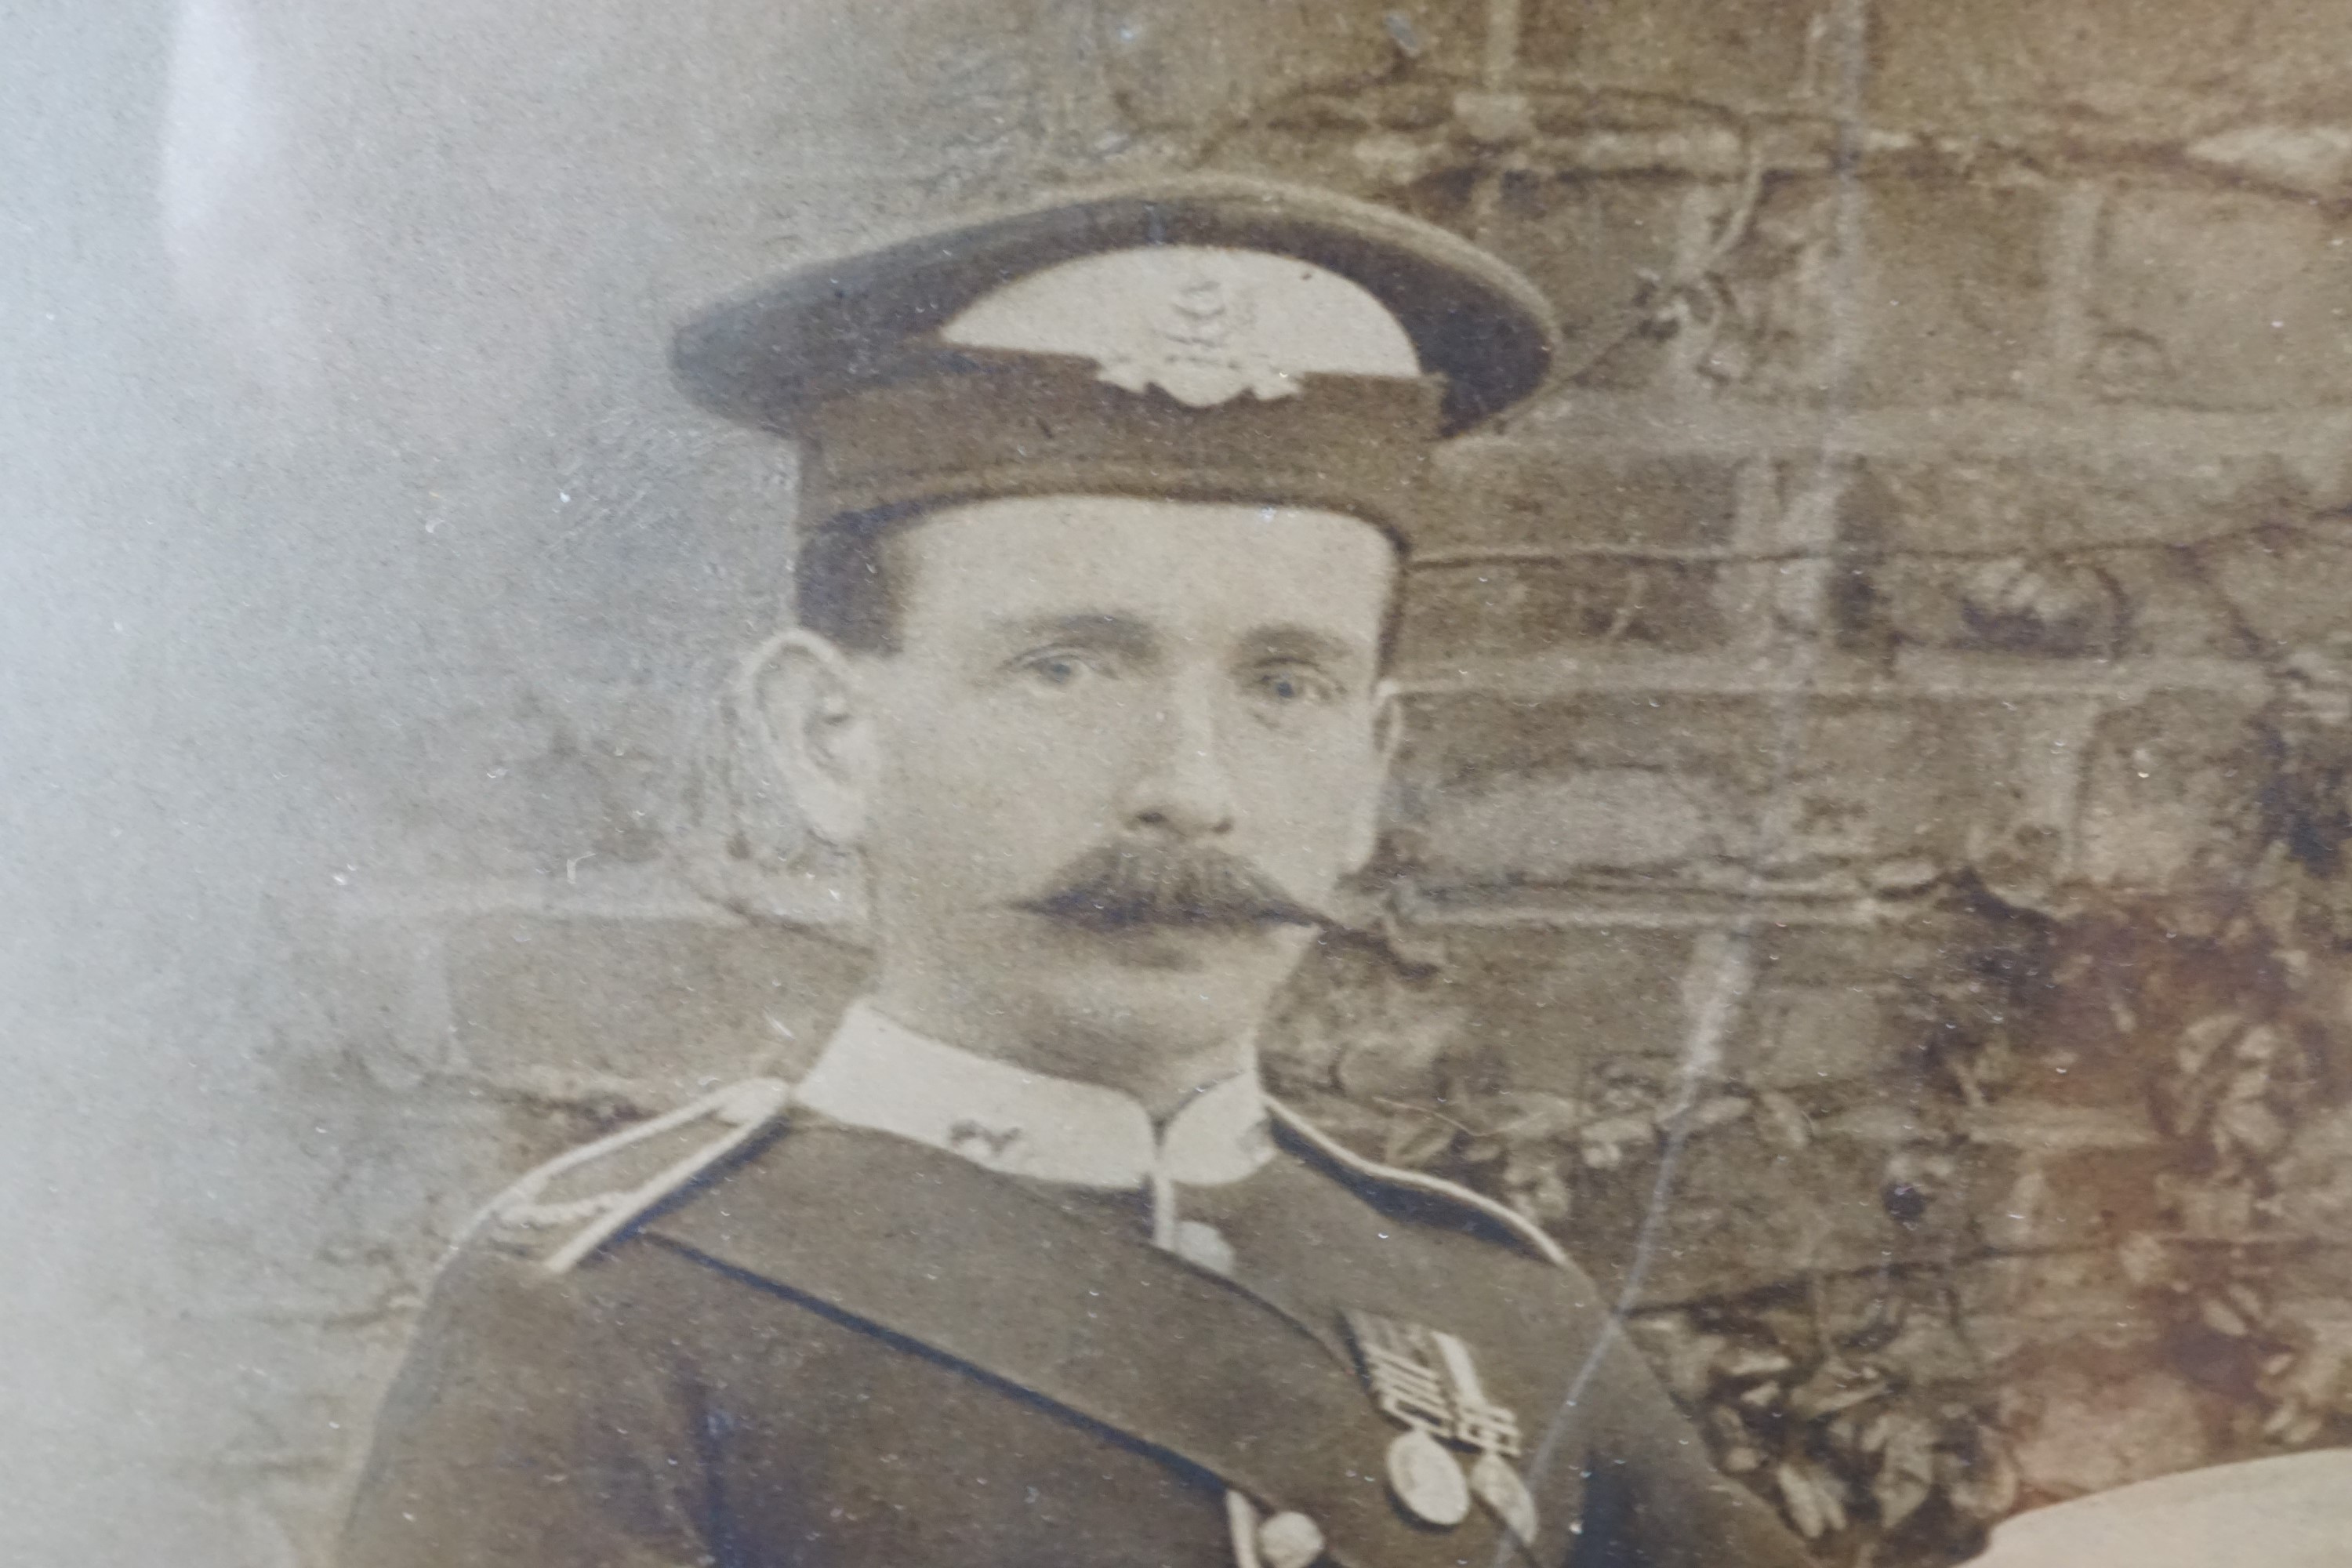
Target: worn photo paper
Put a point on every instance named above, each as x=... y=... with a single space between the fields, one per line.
x=1232 y=784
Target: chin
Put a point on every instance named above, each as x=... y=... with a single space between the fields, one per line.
x=1186 y=988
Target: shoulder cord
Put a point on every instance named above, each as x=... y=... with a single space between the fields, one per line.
x=745 y=1108
x=1509 y=1218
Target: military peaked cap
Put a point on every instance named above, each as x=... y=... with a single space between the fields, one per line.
x=1207 y=338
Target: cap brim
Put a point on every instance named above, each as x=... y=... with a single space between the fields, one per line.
x=762 y=358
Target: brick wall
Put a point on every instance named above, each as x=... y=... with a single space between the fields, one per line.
x=1846 y=747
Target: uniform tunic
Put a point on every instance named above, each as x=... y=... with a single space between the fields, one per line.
x=951 y=1313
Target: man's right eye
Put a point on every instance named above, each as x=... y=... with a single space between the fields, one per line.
x=1057 y=668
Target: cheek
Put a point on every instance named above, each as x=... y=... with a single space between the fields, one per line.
x=971 y=789
x=1310 y=802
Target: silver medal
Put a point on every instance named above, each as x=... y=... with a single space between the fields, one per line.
x=1499 y=1486
x=1427 y=1480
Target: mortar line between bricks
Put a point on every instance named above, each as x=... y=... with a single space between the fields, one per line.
x=1950 y=1264
x=1957 y=679
x=2072 y=245
x=1499 y=59
x=1847 y=554
x=1615 y=425
x=1891 y=1265
x=1706 y=911
x=1803 y=142
x=464 y=898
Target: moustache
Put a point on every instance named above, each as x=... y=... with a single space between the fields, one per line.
x=1120 y=886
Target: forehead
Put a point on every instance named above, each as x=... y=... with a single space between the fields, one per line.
x=1197 y=569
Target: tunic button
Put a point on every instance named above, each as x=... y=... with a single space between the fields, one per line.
x=1290 y=1541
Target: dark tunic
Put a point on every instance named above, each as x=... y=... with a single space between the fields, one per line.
x=851 y=1349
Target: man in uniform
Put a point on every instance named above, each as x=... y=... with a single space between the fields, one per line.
x=1104 y=506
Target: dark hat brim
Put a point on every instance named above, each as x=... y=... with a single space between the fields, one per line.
x=765 y=358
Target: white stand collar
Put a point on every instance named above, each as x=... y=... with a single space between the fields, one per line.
x=876 y=1073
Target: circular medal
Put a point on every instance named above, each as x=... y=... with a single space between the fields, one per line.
x=1499 y=1486
x=1427 y=1481
x=1289 y=1540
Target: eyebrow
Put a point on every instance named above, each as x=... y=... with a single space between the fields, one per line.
x=1097 y=629
x=1304 y=643
x=1130 y=636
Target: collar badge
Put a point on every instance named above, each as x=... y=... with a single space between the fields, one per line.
x=980 y=1141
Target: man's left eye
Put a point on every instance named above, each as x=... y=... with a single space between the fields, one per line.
x=1290 y=684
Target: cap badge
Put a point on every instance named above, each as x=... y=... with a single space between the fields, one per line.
x=1195 y=347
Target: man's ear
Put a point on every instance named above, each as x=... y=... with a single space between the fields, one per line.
x=1388 y=735
x=805 y=694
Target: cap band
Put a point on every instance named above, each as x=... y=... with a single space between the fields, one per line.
x=1019 y=424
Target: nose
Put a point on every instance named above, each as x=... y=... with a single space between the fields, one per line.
x=1183 y=791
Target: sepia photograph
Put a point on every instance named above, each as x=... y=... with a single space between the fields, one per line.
x=1226 y=783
